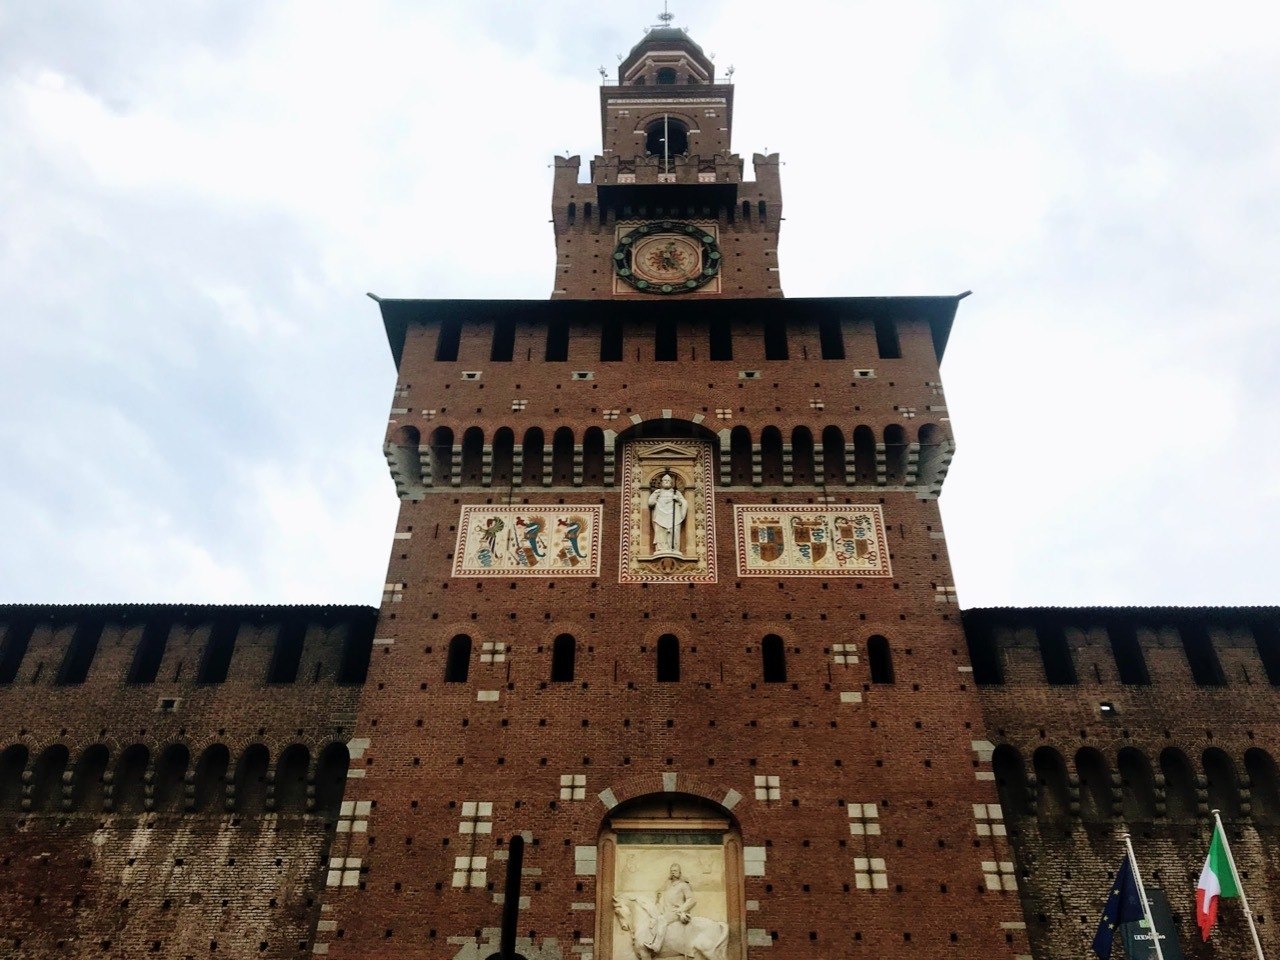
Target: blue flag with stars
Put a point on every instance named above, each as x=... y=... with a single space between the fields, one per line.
x=1123 y=906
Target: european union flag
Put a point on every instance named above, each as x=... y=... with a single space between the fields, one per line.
x=1123 y=906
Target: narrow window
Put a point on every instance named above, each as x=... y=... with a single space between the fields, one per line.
x=746 y=210
x=287 y=656
x=665 y=346
x=887 y=339
x=447 y=344
x=880 y=660
x=775 y=339
x=1055 y=654
x=146 y=659
x=563 y=654
x=1130 y=663
x=1202 y=658
x=458 y=663
x=668 y=659
x=17 y=637
x=80 y=654
x=774 y=656
x=586 y=212
x=557 y=341
x=356 y=650
x=573 y=213
x=721 y=339
x=217 y=652
x=504 y=340
x=831 y=336
x=763 y=211
x=1265 y=635
x=611 y=341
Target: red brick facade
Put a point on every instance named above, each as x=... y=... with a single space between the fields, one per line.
x=889 y=779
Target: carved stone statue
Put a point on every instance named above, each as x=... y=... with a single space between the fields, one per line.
x=667 y=929
x=669 y=508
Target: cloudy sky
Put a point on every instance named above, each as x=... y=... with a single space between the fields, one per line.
x=195 y=197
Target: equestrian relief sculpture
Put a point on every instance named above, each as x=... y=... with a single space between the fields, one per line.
x=667 y=927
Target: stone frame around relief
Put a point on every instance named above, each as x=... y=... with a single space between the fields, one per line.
x=519 y=555
x=839 y=554
x=694 y=457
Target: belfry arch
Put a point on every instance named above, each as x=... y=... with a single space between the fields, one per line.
x=661 y=854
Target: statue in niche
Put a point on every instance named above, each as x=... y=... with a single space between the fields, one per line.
x=669 y=509
x=667 y=929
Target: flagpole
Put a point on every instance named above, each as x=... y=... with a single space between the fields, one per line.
x=1142 y=894
x=1235 y=875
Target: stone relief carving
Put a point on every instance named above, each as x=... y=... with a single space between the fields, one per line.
x=664 y=924
x=528 y=541
x=667 y=534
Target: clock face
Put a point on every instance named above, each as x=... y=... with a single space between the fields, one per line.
x=667 y=257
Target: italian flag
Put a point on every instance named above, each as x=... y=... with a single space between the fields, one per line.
x=1217 y=880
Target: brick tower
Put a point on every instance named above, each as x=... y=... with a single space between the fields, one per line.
x=668 y=653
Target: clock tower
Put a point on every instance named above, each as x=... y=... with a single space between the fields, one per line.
x=669 y=661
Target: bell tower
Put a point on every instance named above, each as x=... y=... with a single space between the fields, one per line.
x=666 y=166
x=669 y=658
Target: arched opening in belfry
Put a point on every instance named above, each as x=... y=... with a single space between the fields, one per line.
x=666 y=75
x=666 y=137
x=678 y=849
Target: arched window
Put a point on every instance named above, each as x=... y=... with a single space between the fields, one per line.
x=171 y=769
x=771 y=456
x=534 y=453
x=503 y=450
x=667 y=137
x=1054 y=797
x=211 y=777
x=666 y=75
x=895 y=454
x=573 y=212
x=473 y=456
x=251 y=780
x=46 y=779
x=88 y=779
x=1137 y=789
x=593 y=457
x=1179 y=785
x=802 y=457
x=442 y=456
x=12 y=764
x=562 y=457
x=668 y=659
x=1264 y=785
x=864 y=456
x=564 y=652
x=833 y=473
x=1224 y=787
x=1011 y=781
x=331 y=779
x=740 y=456
x=774 y=657
x=1095 y=786
x=458 y=663
x=129 y=791
x=291 y=779
x=880 y=660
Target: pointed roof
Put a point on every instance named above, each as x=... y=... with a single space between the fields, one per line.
x=667 y=38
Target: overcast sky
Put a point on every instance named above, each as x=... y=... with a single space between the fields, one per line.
x=195 y=197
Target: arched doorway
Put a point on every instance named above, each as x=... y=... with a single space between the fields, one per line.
x=658 y=853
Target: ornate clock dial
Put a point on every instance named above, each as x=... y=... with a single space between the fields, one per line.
x=667 y=257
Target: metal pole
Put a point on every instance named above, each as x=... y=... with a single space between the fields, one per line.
x=1244 y=901
x=1142 y=895
x=666 y=145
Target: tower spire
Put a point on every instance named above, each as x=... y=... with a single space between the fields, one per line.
x=666 y=16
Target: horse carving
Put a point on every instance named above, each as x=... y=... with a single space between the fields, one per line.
x=699 y=939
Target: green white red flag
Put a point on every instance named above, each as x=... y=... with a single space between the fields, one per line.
x=1217 y=880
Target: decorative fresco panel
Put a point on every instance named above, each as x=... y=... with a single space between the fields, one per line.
x=809 y=540
x=528 y=541
x=667 y=532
